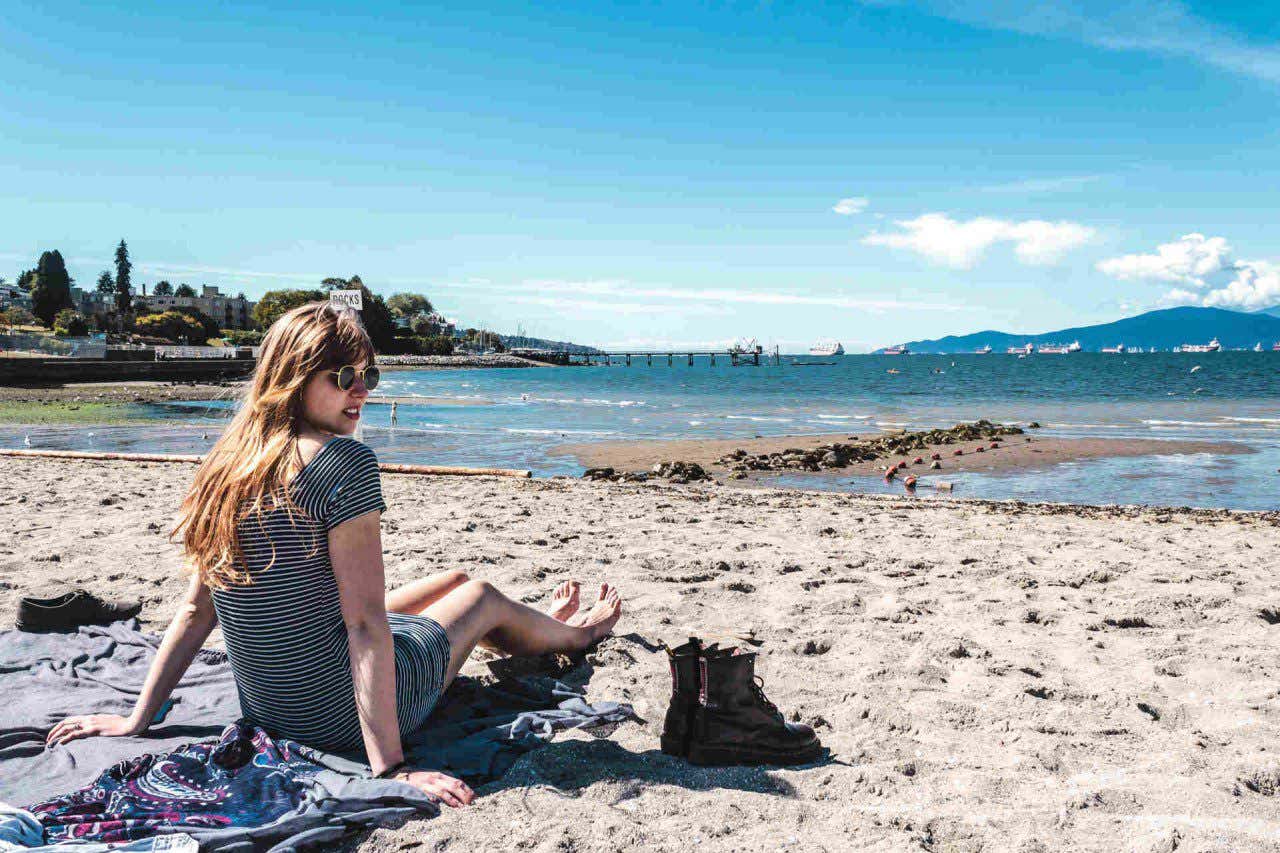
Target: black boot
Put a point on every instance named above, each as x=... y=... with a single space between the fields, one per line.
x=686 y=687
x=678 y=726
x=735 y=724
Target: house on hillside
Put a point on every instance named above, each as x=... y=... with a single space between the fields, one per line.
x=230 y=312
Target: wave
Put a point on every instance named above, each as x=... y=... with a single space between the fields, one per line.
x=845 y=417
x=695 y=423
x=523 y=431
x=1254 y=420
x=759 y=418
x=1185 y=423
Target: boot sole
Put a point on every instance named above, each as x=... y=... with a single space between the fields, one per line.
x=727 y=756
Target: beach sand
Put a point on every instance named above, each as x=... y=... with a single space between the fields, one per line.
x=1016 y=452
x=987 y=676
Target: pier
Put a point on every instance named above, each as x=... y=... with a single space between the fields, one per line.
x=668 y=358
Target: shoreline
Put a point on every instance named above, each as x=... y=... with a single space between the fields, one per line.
x=1016 y=453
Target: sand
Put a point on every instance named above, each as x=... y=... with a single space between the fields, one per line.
x=988 y=676
x=1017 y=452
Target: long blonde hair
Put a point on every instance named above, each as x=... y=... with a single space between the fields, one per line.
x=249 y=469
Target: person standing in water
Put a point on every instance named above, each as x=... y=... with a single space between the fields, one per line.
x=394 y=419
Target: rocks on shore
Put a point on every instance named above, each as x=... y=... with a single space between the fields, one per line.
x=841 y=455
x=672 y=472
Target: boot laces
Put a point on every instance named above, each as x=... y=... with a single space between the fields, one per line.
x=758 y=688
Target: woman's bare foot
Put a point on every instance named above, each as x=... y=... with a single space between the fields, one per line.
x=564 y=601
x=601 y=618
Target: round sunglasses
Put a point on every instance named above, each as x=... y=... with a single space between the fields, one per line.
x=346 y=376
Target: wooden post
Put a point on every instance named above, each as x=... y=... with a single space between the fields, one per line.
x=628 y=359
x=668 y=359
x=691 y=359
x=713 y=359
x=649 y=357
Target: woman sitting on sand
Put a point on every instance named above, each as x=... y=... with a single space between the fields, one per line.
x=281 y=530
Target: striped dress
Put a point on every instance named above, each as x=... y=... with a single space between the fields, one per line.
x=285 y=637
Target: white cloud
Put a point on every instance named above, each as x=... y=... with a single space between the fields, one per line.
x=1206 y=272
x=960 y=244
x=850 y=206
x=1151 y=26
x=1192 y=260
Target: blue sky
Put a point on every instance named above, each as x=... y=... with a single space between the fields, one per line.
x=661 y=174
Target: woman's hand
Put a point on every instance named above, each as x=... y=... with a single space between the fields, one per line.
x=448 y=790
x=91 y=725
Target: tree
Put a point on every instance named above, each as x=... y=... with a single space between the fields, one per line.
x=124 y=271
x=210 y=326
x=408 y=305
x=276 y=302
x=173 y=325
x=106 y=284
x=51 y=291
x=184 y=289
x=377 y=319
x=70 y=324
x=162 y=288
x=26 y=279
x=19 y=316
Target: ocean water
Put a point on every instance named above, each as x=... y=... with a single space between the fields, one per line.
x=514 y=418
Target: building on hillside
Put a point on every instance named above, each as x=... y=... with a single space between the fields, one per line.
x=12 y=296
x=229 y=312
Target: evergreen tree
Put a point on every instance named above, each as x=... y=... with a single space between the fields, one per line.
x=106 y=284
x=51 y=291
x=124 y=269
x=163 y=288
x=184 y=289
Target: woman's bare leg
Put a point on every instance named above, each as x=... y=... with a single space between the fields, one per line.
x=476 y=611
x=413 y=598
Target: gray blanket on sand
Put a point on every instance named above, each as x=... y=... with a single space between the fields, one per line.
x=476 y=732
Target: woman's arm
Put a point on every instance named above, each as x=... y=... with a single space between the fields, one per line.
x=188 y=630
x=355 y=549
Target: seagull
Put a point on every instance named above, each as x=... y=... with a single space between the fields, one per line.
x=26 y=440
x=1194 y=369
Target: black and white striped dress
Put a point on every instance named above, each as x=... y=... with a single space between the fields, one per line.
x=284 y=632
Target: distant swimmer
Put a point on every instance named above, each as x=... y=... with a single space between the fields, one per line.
x=524 y=397
x=394 y=416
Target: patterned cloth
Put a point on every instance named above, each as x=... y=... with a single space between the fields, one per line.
x=242 y=779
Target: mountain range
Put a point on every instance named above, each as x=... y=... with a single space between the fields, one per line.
x=1163 y=329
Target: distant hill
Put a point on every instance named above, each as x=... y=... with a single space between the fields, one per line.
x=1273 y=311
x=1164 y=329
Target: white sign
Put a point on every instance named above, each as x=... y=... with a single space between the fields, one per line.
x=347 y=298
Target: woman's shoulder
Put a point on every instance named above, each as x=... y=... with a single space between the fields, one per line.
x=347 y=451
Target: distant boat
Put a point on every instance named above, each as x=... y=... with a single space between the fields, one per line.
x=901 y=349
x=1116 y=350
x=827 y=348
x=983 y=350
x=1275 y=347
x=1025 y=349
x=745 y=346
x=1213 y=346
x=1059 y=349
x=1257 y=347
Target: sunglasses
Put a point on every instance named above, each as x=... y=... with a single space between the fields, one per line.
x=346 y=376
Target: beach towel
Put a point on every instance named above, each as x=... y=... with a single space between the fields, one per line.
x=192 y=772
